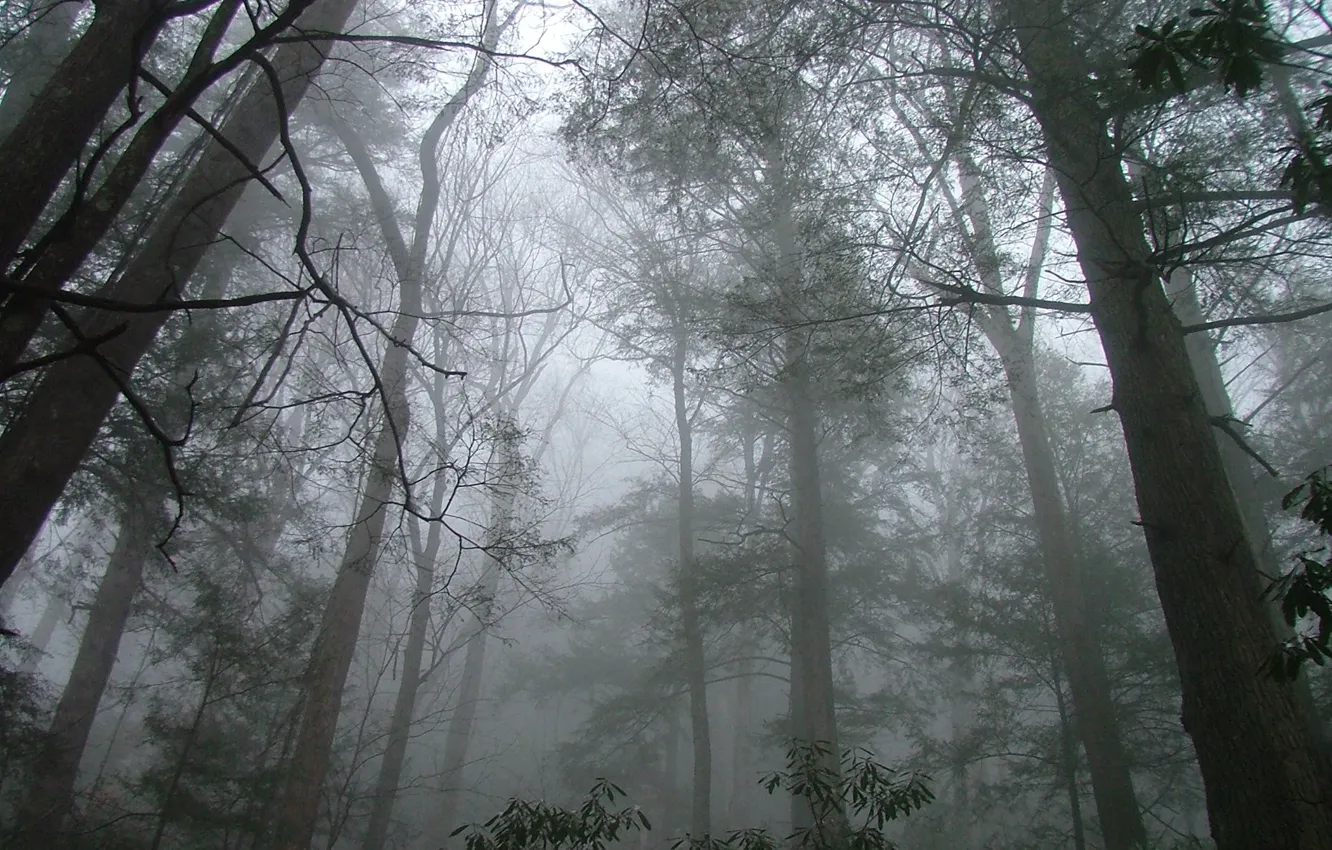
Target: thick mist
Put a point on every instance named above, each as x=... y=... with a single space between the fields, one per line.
x=718 y=424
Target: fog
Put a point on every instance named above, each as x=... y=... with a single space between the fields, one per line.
x=706 y=425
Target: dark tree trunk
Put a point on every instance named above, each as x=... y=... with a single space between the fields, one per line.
x=45 y=444
x=44 y=144
x=1267 y=785
x=50 y=793
x=60 y=254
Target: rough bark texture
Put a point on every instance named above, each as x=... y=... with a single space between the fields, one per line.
x=44 y=144
x=45 y=444
x=695 y=659
x=1267 y=785
x=50 y=793
x=1240 y=471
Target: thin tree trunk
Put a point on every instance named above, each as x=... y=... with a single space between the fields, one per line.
x=186 y=750
x=50 y=793
x=1235 y=712
x=811 y=651
x=742 y=779
x=404 y=707
x=961 y=680
x=336 y=644
x=332 y=655
x=45 y=444
x=695 y=659
x=1094 y=711
x=45 y=142
x=459 y=737
x=670 y=772
x=40 y=51
x=56 y=610
x=1068 y=755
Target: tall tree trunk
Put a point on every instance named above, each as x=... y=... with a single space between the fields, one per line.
x=743 y=780
x=336 y=643
x=459 y=737
x=45 y=444
x=70 y=242
x=56 y=610
x=340 y=627
x=458 y=740
x=186 y=751
x=1068 y=763
x=45 y=142
x=50 y=792
x=961 y=679
x=1235 y=713
x=695 y=659
x=404 y=706
x=811 y=642
x=1239 y=469
x=1094 y=711
x=39 y=53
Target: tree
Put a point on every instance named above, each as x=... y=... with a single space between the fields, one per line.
x=42 y=447
x=332 y=654
x=1202 y=558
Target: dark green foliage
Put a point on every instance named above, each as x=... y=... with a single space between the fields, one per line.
x=23 y=705
x=528 y=826
x=1304 y=590
x=871 y=793
x=1232 y=36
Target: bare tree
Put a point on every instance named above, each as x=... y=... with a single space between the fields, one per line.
x=332 y=654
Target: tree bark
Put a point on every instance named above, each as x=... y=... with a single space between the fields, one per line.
x=70 y=242
x=336 y=644
x=44 y=445
x=45 y=142
x=695 y=658
x=50 y=793
x=1267 y=785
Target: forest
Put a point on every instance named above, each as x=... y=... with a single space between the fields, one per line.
x=665 y=424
